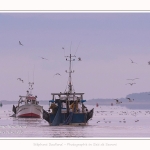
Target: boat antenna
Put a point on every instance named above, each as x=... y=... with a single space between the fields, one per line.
x=71 y=58
x=70 y=71
x=33 y=72
x=70 y=47
x=31 y=87
x=31 y=83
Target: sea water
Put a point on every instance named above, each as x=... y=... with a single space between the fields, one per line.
x=107 y=122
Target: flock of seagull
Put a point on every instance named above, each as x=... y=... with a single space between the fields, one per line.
x=79 y=59
x=134 y=78
x=131 y=83
x=39 y=56
x=120 y=114
x=57 y=74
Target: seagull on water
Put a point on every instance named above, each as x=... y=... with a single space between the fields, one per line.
x=117 y=101
x=130 y=100
x=57 y=74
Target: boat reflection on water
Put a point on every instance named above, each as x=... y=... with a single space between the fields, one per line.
x=27 y=121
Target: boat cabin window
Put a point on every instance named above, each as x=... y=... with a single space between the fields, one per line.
x=31 y=102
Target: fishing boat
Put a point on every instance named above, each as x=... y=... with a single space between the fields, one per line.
x=67 y=108
x=28 y=106
x=1 y=104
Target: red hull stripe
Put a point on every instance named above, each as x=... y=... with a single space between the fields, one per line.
x=32 y=115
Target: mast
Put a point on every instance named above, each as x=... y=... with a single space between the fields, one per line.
x=30 y=87
x=70 y=59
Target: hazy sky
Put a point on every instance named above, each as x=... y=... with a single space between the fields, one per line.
x=105 y=41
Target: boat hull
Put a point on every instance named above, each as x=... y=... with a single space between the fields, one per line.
x=63 y=117
x=79 y=118
x=29 y=111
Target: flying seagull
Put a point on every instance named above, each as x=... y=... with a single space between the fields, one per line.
x=20 y=79
x=133 y=61
x=64 y=51
x=57 y=74
x=20 y=43
x=79 y=59
x=133 y=79
x=44 y=58
x=131 y=83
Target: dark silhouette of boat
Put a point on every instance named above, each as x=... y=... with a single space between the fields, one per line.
x=68 y=108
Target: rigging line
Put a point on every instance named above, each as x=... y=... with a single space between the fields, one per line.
x=72 y=66
x=73 y=86
x=67 y=85
x=72 y=72
x=77 y=48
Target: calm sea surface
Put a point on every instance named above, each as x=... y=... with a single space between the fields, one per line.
x=107 y=122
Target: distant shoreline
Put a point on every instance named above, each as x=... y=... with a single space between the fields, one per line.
x=101 y=103
x=141 y=101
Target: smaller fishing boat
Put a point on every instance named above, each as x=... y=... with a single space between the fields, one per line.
x=28 y=106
